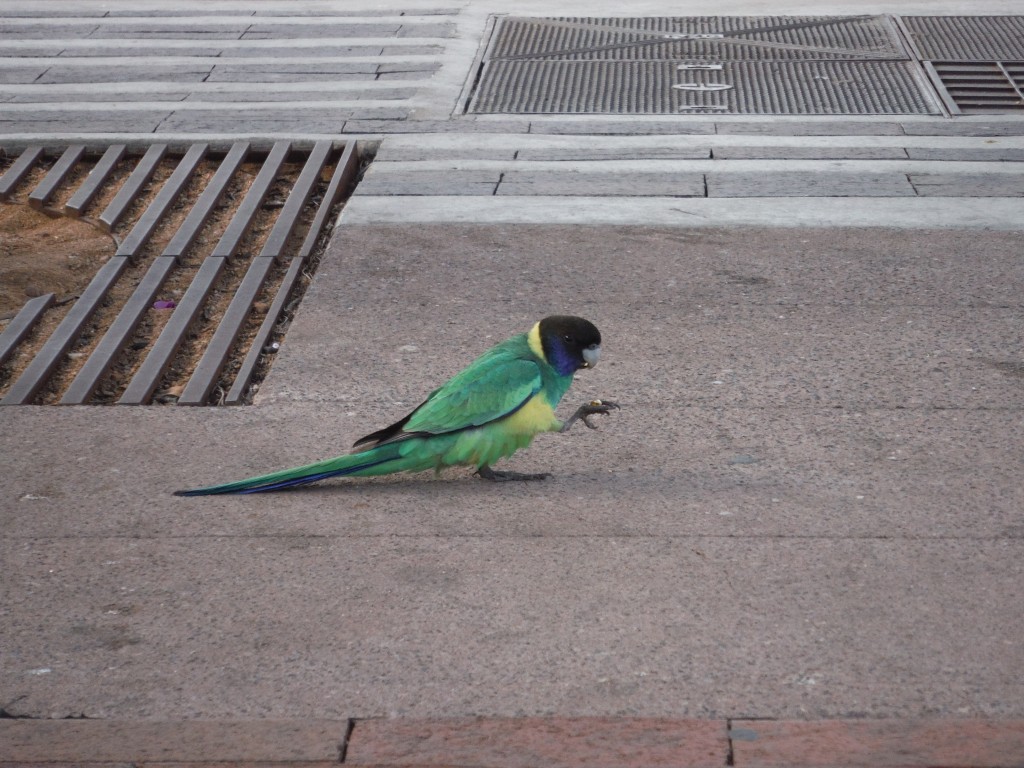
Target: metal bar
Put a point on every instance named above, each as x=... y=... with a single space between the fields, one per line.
x=53 y=351
x=22 y=323
x=344 y=173
x=147 y=378
x=119 y=333
x=245 y=213
x=94 y=181
x=148 y=222
x=297 y=199
x=135 y=182
x=46 y=188
x=252 y=357
x=935 y=75
x=205 y=375
x=204 y=205
x=19 y=170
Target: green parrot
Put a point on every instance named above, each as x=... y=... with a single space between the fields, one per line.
x=490 y=410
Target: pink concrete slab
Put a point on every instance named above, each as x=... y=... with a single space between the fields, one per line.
x=183 y=741
x=878 y=743
x=555 y=742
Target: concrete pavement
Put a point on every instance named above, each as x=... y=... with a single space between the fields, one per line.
x=808 y=511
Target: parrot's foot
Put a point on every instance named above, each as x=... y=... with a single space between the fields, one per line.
x=589 y=409
x=499 y=476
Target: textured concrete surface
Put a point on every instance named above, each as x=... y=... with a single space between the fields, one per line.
x=813 y=480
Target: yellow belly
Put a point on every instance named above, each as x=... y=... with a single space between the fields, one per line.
x=534 y=417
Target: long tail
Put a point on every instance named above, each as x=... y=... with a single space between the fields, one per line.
x=372 y=462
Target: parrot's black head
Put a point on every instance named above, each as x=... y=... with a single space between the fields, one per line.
x=569 y=343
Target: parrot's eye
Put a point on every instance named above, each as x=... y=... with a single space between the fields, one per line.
x=568 y=338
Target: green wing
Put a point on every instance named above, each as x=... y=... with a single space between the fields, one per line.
x=495 y=385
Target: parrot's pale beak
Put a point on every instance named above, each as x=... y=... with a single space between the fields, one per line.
x=591 y=355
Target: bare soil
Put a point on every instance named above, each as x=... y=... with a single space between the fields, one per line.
x=40 y=254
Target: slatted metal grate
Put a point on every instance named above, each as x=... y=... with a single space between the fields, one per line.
x=980 y=87
x=799 y=65
x=975 y=62
x=234 y=230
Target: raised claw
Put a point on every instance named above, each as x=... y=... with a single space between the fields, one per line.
x=585 y=411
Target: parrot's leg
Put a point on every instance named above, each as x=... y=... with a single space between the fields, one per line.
x=589 y=409
x=500 y=476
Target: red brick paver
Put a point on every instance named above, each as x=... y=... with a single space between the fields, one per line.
x=529 y=742
x=98 y=741
x=878 y=743
x=547 y=742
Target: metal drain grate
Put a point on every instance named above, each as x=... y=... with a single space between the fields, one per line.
x=733 y=38
x=979 y=87
x=967 y=38
x=209 y=249
x=975 y=62
x=740 y=88
x=796 y=65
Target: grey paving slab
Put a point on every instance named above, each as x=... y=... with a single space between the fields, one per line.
x=611 y=127
x=398 y=127
x=588 y=151
x=21 y=74
x=276 y=72
x=82 y=123
x=961 y=154
x=817 y=153
x=602 y=184
x=267 y=121
x=797 y=184
x=968 y=185
x=796 y=628
x=173 y=74
x=962 y=127
x=1000 y=214
x=430 y=183
x=795 y=127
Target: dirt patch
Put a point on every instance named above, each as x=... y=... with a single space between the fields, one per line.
x=40 y=254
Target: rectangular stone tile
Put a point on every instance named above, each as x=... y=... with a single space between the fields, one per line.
x=618 y=127
x=312 y=120
x=20 y=74
x=359 y=125
x=968 y=127
x=982 y=154
x=185 y=73
x=809 y=153
x=274 y=72
x=790 y=127
x=800 y=184
x=983 y=743
x=377 y=182
x=554 y=742
x=441 y=29
x=178 y=741
x=584 y=152
x=554 y=183
x=968 y=184
x=324 y=29
x=86 y=122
